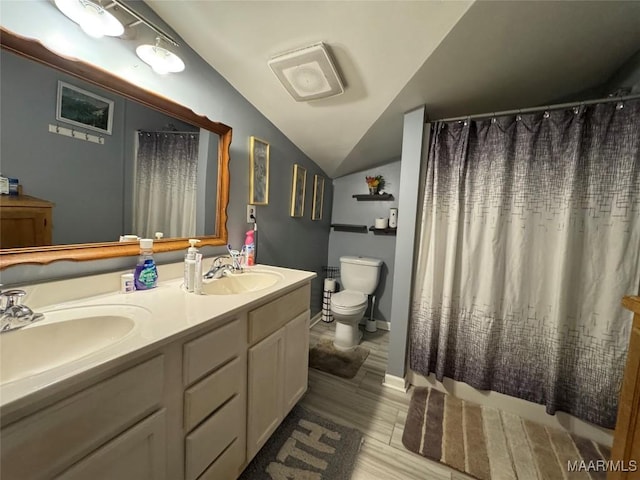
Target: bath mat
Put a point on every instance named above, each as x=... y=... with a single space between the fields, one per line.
x=487 y=443
x=306 y=446
x=324 y=356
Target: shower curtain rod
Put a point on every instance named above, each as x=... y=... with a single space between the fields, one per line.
x=538 y=109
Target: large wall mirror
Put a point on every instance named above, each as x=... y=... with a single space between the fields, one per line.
x=146 y=165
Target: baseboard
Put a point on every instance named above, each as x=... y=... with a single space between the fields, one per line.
x=315 y=319
x=395 y=383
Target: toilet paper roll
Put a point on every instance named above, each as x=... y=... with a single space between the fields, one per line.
x=382 y=222
x=329 y=284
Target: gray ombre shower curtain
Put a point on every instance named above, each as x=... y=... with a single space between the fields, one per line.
x=530 y=237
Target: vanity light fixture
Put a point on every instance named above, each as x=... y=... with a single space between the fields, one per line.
x=94 y=20
x=160 y=59
x=307 y=73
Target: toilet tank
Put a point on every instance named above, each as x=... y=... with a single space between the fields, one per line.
x=360 y=273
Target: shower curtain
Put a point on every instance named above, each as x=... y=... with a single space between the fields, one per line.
x=165 y=184
x=530 y=237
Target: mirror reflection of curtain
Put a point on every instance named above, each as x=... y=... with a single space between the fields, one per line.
x=165 y=172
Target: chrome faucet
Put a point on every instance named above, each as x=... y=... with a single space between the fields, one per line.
x=218 y=269
x=14 y=315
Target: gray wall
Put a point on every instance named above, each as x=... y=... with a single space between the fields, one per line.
x=291 y=242
x=348 y=210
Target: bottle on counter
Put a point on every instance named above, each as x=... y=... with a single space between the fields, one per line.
x=190 y=265
x=249 y=249
x=146 y=273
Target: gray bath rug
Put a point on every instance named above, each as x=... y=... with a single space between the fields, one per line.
x=306 y=446
x=324 y=356
x=487 y=443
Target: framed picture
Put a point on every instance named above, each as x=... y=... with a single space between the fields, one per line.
x=318 y=197
x=259 y=171
x=298 y=190
x=84 y=109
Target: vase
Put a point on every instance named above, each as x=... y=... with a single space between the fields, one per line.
x=373 y=190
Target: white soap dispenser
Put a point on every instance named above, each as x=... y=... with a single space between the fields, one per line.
x=190 y=270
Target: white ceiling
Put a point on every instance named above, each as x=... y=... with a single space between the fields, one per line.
x=455 y=57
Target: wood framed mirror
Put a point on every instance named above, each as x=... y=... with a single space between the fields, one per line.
x=215 y=189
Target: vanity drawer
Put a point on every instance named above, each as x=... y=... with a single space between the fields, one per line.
x=52 y=439
x=268 y=318
x=211 y=438
x=212 y=350
x=208 y=394
x=227 y=466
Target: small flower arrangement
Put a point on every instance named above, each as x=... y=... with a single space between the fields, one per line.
x=375 y=184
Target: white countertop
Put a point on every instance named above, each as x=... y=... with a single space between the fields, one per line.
x=172 y=313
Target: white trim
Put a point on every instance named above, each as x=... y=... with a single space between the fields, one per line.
x=315 y=319
x=395 y=383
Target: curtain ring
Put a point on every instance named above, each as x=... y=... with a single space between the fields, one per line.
x=493 y=120
x=619 y=106
x=546 y=114
x=518 y=118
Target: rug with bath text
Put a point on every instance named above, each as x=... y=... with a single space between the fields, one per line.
x=306 y=446
x=489 y=444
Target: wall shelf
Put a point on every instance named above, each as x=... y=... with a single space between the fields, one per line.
x=347 y=227
x=383 y=231
x=367 y=197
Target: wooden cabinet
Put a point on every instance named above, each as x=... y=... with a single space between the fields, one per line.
x=277 y=364
x=626 y=439
x=25 y=221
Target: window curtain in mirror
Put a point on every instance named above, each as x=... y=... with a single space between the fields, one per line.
x=530 y=238
x=165 y=184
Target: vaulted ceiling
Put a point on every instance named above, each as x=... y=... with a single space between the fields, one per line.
x=455 y=57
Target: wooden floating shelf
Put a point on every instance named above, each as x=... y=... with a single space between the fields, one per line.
x=346 y=227
x=367 y=197
x=383 y=231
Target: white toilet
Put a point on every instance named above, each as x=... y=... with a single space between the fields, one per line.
x=359 y=277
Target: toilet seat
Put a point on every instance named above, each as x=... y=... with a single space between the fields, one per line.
x=348 y=301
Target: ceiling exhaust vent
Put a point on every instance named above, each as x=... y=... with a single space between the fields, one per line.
x=307 y=73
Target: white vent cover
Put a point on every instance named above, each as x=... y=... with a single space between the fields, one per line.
x=307 y=73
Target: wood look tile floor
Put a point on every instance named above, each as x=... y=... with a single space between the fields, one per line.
x=378 y=412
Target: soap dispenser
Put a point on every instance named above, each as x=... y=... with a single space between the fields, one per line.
x=190 y=263
x=146 y=273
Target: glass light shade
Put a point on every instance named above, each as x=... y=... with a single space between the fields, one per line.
x=92 y=18
x=160 y=59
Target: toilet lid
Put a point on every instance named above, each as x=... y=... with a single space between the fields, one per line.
x=348 y=298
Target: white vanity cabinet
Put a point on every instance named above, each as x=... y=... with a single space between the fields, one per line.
x=196 y=407
x=110 y=416
x=278 y=358
x=215 y=371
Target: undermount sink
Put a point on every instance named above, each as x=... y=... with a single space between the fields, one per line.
x=63 y=336
x=235 y=283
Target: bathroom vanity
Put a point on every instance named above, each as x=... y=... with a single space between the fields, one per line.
x=191 y=392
